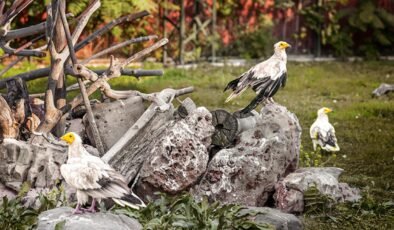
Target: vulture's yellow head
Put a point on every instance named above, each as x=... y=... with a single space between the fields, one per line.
x=69 y=137
x=324 y=110
x=282 y=45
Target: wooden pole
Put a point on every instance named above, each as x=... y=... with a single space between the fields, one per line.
x=182 y=33
x=92 y=121
x=214 y=30
x=164 y=31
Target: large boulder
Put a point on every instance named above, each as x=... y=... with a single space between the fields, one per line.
x=278 y=219
x=247 y=173
x=289 y=195
x=62 y=218
x=179 y=156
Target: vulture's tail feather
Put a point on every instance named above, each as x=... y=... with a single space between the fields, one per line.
x=130 y=200
x=232 y=85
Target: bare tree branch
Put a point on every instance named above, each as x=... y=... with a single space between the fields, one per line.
x=25 y=32
x=91 y=119
x=85 y=16
x=8 y=67
x=11 y=51
x=118 y=46
x=144 y=52
x=44 y=72
x=109 y=26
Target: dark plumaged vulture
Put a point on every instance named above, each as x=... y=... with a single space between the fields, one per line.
x=264 y=78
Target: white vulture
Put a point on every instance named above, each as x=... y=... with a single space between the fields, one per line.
x=91 y=176
x=265 y=78
x=323 y=133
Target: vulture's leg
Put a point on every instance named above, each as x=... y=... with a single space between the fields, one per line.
x=77 y=209
x=92 y=207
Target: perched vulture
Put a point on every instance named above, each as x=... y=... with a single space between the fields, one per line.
x=323 y=133
x=91 y=176
x=265 y=78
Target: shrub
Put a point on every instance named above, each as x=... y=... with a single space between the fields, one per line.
x=184 y=212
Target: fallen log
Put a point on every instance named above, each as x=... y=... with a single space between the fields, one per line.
x=129 y=152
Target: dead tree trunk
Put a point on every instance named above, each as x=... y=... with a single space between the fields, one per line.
x=128 y=154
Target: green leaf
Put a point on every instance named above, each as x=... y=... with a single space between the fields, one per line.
x=377 y=23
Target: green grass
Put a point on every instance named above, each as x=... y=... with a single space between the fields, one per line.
x=364 y=125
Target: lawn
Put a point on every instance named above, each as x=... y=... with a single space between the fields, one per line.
x=364 y=125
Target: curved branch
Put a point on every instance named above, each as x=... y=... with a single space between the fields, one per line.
x=109 y=26
x=84 y=20
x=7 y=49
x=118 y=46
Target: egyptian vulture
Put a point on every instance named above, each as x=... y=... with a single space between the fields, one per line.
x=265 y=78
x=323 y=133
x=91 y=176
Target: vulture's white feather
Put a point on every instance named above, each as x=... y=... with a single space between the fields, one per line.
x=323 y=133
x=264 y=78
x=91 y=176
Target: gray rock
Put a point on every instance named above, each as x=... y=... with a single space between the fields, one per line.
x=383 y=89
x=44 y=171
x=76 y=126
x=98 y=221
x=180 y=155
x=246 y=174
x=15 y=160
x=348 y=193
x=114 y=119
x=289 y=194
x=21 y=161
x=5 y=191
x=280 y=220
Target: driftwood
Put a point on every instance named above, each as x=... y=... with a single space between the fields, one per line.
x=383 y=89
x=129 y=152
x=44 y=72
x=186 y=108
x=227 y=126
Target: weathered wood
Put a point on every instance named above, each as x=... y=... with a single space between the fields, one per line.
x=187 y=107
x=18 y=100
x=92 y=121
x=17 y=90
x=383 y=89
x=114 y=118
x=227 y=126
x=44 y=72
x=8 y=126
x=128 y=154
x=118 y=46
x=109 y=26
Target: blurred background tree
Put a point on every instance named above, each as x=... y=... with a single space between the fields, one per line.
x=245 y=28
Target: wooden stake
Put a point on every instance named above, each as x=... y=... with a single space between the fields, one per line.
x=92 y=121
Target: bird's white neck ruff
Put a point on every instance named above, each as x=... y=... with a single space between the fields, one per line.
x=322 y=117
x=74 y=150
x=280 y=54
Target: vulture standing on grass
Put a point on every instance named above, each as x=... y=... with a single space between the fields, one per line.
x=265 y=78
x=323 y=133
x=93 y=177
